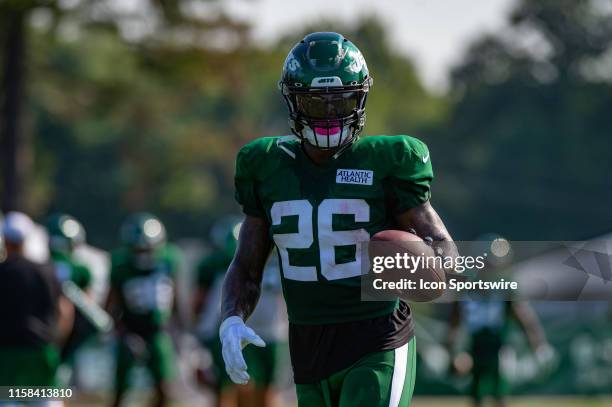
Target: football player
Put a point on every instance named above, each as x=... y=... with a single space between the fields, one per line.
x=316 y=196
x=142 y=293
x=488 y=323
x=65 y=235
x=35 y=316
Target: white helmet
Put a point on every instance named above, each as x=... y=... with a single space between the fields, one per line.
x=16 y=227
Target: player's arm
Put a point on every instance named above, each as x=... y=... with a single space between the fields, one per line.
x=544 y=353
x=428 y=225
x=242 y=284
x=528 y=320
x=64 y=310
x=410 y=192
x=241 y=290
x=460 y=362
x=65 y=313
x=454 y=322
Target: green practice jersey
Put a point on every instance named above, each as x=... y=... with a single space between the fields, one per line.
x=67 y=268
x=319 y=214
x=146 y=296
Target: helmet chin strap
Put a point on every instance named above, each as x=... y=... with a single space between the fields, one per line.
x=346 y=145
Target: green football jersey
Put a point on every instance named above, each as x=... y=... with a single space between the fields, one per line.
x=318 y=215
x=67 y=268
x=146 y=296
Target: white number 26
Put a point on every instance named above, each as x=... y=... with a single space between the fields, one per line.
x=328 y=238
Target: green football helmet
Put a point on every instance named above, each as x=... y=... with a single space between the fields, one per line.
x=65 y=233
x=325 y=83
x=142 y=231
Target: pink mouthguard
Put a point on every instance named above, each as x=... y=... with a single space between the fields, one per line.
x=324 y=131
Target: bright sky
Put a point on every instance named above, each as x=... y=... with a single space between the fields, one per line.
x=434 y=32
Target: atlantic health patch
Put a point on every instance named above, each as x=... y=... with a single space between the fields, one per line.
x=358 y=177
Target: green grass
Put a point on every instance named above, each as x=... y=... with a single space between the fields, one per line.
x=516 y=402
x=417 y=402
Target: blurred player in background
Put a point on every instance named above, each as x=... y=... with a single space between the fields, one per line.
x=35 y=316
x=488 y=322
x=269 y=320
x=142 y=298
x=65 y=235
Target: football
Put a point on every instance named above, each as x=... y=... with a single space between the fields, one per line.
x=405 y=248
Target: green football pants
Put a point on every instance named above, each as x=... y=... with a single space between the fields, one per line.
x=159 y=359
x=379 y=379
x=34 y=366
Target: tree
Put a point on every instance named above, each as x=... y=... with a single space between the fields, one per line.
x=530 y=124
x=12 y=143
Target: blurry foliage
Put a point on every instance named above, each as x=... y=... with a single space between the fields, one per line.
x=531 y=126
x=146 y=110
x=153 y=121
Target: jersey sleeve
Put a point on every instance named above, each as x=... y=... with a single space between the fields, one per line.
x=411 y=174
x=245 y=183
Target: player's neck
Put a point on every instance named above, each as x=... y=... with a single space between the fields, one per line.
x=317 y=155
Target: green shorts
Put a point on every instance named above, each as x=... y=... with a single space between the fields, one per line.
x=28 y=366
x=262 y=363
x=158 y=355
x=380 y=379
x=487 y=379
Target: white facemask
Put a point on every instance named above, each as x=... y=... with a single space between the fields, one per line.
x=323 y=140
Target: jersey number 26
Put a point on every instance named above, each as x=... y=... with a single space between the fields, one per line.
x=328 y=239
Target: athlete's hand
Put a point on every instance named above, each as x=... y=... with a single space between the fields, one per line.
x=546 y=358
x=235 y=335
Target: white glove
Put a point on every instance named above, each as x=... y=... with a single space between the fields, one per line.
x=235 y=335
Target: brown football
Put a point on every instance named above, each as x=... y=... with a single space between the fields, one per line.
x=390 y=243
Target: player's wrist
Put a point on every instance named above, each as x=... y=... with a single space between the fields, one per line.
x=229 y=322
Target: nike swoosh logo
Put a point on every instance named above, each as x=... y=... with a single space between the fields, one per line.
x=425 y=159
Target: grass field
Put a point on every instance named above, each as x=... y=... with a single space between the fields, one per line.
x=517 y=402
x=416 y=402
